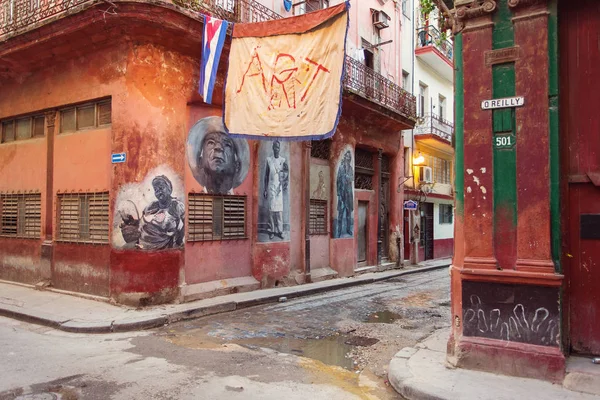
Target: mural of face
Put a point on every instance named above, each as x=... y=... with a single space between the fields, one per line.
x=276 y=148
x=162 y=190
x=218 y=162
x=219 y=154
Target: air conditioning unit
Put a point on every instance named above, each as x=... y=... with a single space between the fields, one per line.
x=425 y=175
x=380 y=19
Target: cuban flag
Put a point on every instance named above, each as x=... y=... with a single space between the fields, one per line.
x=213 y=39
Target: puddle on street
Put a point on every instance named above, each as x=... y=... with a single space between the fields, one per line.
x=331 y=350
x=383 y=317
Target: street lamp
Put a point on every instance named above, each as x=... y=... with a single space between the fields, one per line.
x=419 y=159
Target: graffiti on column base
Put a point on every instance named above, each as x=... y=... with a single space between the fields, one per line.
x=511 y=313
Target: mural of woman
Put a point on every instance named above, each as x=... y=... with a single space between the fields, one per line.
x=161 y=225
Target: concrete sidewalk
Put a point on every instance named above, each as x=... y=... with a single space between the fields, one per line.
x=76 y=314
x=421 y=372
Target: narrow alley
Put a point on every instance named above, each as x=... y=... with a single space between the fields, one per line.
x=335 y=345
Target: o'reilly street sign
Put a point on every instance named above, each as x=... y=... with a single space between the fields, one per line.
x=506 y=102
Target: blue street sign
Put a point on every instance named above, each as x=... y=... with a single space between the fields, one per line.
x=410 y=205
x=117 y=158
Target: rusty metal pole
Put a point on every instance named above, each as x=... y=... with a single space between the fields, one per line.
x=307 y=275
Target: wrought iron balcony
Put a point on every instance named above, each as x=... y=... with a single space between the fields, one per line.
x=374 y=87
x=18 y=16
x=430 y=36
x=433 y=124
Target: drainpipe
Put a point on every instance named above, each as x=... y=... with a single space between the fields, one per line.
x=307 y=275
x=379 y=210
x=47 y=253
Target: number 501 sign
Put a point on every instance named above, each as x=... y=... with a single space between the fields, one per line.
x=504 y=142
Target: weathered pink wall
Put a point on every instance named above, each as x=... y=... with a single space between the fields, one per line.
x=214 y=260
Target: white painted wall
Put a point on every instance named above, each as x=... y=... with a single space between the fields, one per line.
x=436 y=85
x=442 y=231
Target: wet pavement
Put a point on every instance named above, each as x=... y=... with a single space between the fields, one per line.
x=358 y=329
x=335 y=345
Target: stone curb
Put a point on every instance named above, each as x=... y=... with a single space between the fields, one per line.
x=162 y=318
x=399 y=376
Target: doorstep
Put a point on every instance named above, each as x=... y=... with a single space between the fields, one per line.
x=582 y=375
x=205 y=290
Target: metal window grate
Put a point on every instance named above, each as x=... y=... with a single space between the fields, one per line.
x=20 y=215
x=216 y=217
x=83 y=217
x=320 y=149
x=318 y=217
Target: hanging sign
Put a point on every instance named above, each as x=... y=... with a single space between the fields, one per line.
x=410 y=205
x=506 y=102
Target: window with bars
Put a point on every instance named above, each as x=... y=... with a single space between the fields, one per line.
x=318 y=217
x=442 y=170
x=83 y=217
x=445 y=213
x=320 y=149
x=86 y=116
x=20 y=215
x=23 y=128
x=216 y=217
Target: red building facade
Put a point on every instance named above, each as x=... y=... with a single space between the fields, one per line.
x=87 y=81
x=526 y=247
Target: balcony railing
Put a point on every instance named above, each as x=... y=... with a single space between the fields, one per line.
x=367 y=83
x=360 y=79
x=433 y=124
x=430 y=36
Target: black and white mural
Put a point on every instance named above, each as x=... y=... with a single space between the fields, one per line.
x=512 y=313
x=274 y=198
x=343 y=215
x=218 y=162
x=150 y=215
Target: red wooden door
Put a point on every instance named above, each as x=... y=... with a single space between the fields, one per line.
x=579 y=52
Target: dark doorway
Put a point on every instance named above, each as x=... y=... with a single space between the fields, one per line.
x=427 y=229
x=361 y=250
x=385 y=212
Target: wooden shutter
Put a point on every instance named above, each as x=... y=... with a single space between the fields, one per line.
x=318 y=217
x=98 y=217
x=8 y=131
x=68 y=217
x=104 y=113
x=200 y=217
x=8 y=222
x=234 y=217
x=38 y=126
x=32 y=218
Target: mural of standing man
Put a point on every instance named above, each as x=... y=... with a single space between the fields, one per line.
x=275 y=197
x=345 y=198
x=276 y=182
